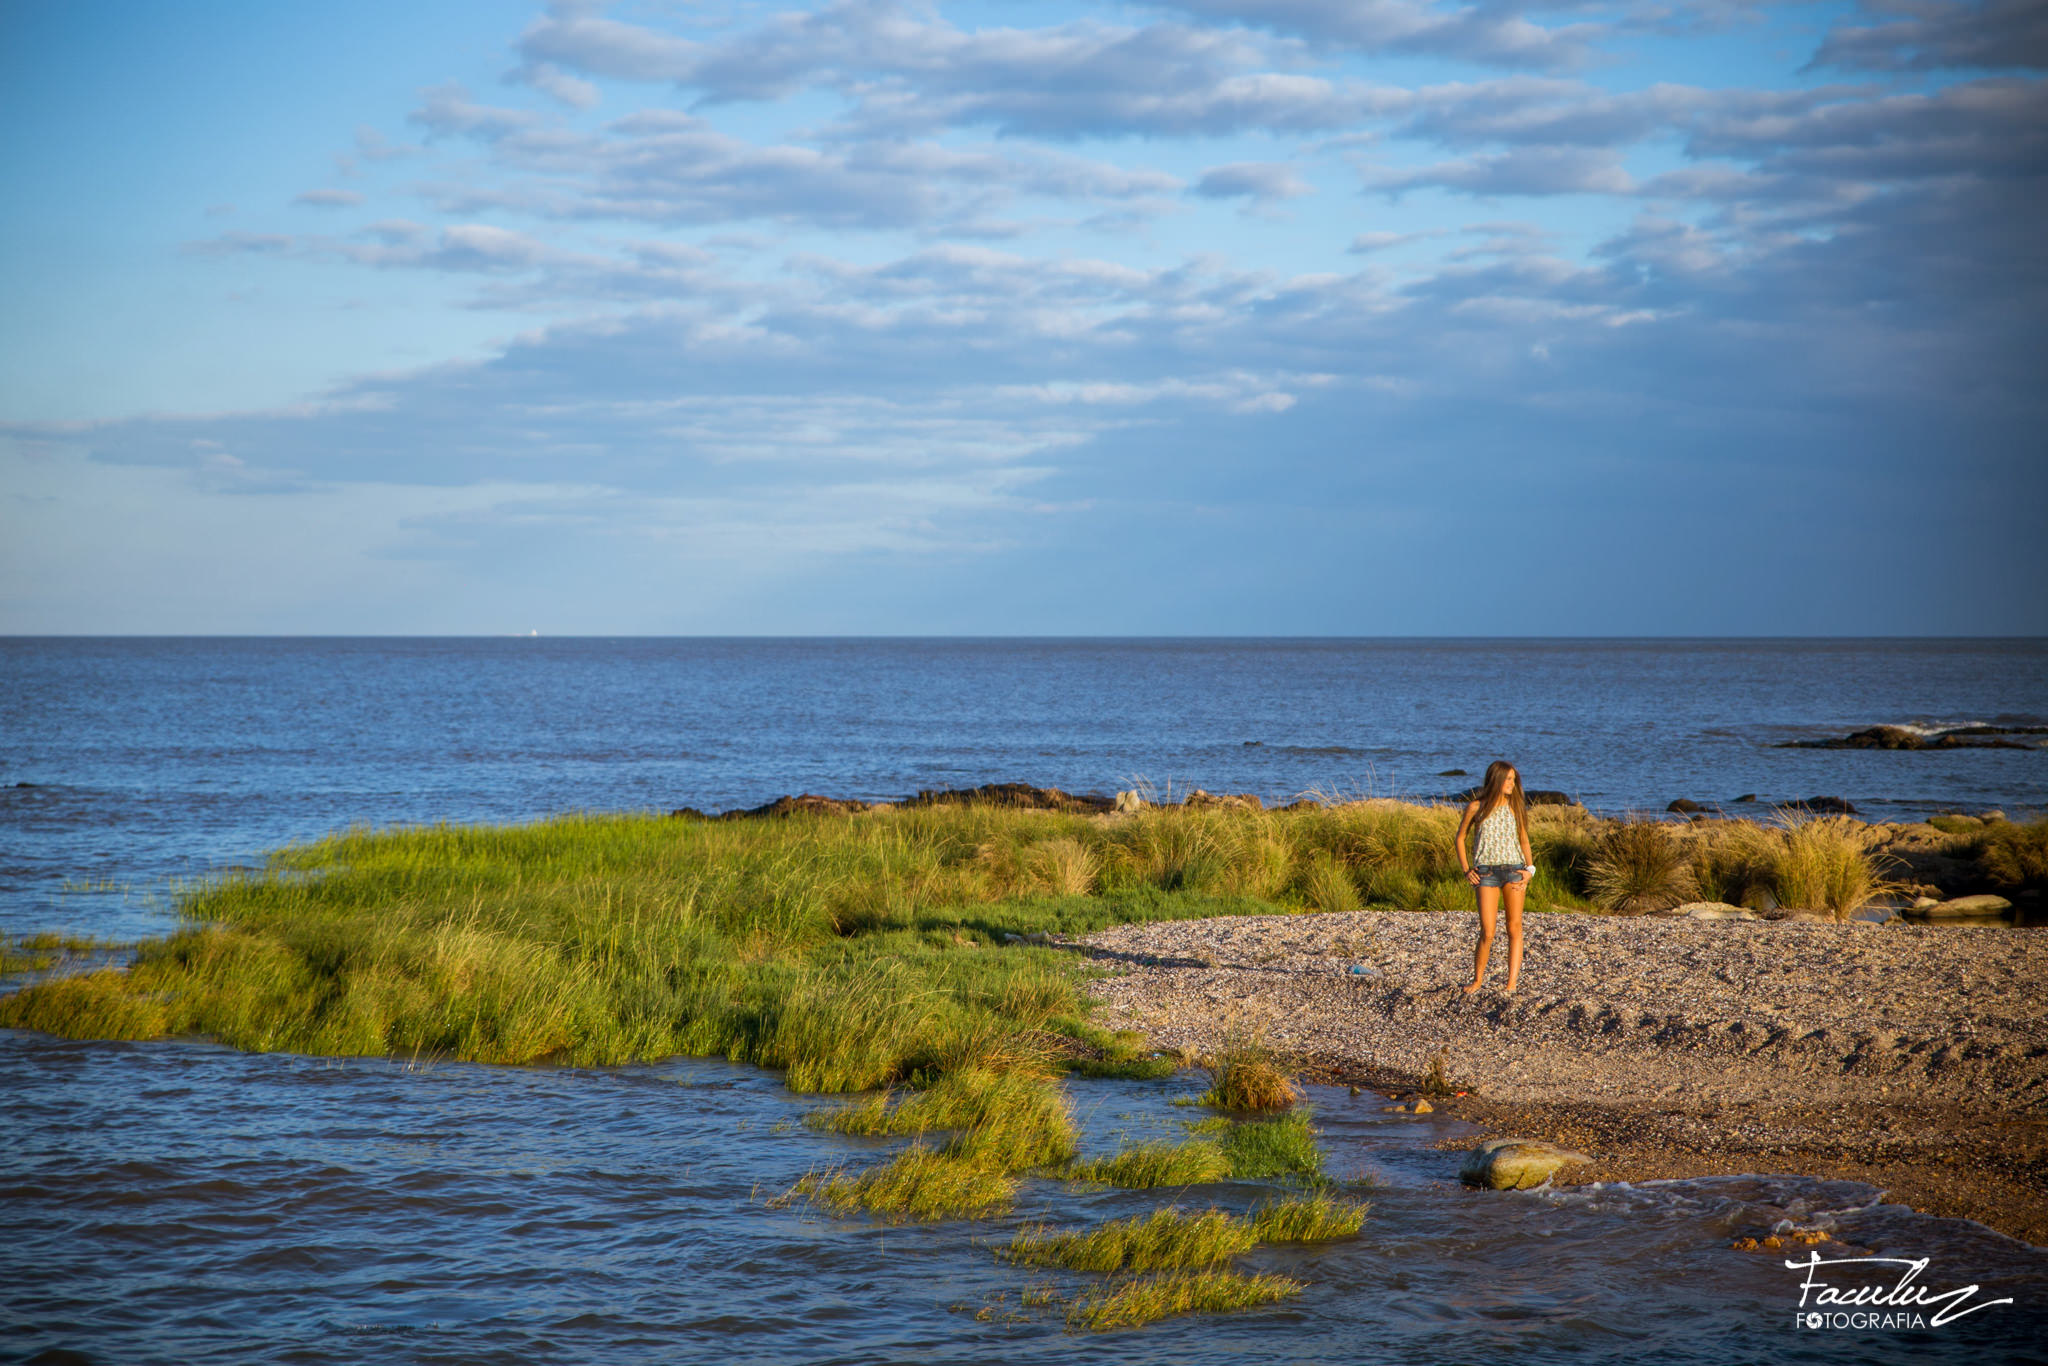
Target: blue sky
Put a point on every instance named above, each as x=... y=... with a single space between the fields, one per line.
x=1383 y=317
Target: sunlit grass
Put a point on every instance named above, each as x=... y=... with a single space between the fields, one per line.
x=1134 y=1303
x=1149 y=1166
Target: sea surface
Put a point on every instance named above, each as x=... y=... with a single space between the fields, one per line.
x=181 y=1202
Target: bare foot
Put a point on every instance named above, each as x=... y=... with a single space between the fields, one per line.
x=1474 y=987
x=1508 y=990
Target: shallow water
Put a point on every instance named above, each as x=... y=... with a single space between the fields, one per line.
x=180 y=1202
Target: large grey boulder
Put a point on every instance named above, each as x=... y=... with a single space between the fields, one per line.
x=1514 y=1164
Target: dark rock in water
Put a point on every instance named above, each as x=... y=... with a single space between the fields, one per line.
x=1254 y=744
x=1685 y=806
x=24 y=784
x=1535 y=796
x=1898 y=737
x=1305 y=804
x=1020 y=795
x=1454 y=773
x=809 y=804
x=1835 y=806
x=1745 y=797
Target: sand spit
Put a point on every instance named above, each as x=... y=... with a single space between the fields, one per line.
x=1914 y=1057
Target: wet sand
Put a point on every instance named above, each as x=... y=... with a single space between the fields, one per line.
x=1911 y=1057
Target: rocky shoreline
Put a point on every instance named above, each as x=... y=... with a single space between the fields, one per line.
x=1911 y=1057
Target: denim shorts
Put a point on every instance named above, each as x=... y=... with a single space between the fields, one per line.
x=1497 y=874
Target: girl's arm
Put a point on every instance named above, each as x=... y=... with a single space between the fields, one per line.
x=1464 y=825
x=1528 y=859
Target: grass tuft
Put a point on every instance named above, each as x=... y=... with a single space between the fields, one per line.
x=1264 y=1148
x=1307 y=1220
x=1639 y=866
x=1134 y=1303
x=1148 y=1166
x=1168 y=1239
x=1245 y=1074
x=920 y=1183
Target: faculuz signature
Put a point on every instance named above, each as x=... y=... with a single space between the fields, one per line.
x=1902 y=1296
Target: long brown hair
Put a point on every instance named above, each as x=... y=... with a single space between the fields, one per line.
x=1492 y=794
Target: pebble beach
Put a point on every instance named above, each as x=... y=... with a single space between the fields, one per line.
x=1914 y=1057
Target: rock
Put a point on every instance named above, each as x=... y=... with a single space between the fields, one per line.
x=1800 y=917
x=809 y=804
x=1305 y=804
x=1423 y=1107
x=1535 y=796
x=1745 y=797
x=1898 y=737
x=1243 y=801
x=1713 y=910
x=1921 y=903
x=1989 y=816
x=1511 y=1164
x=1254 y=744
x=1963 y=906
x=1454 y=773
x=1021 y=795
x=1129 y=801
x=1838 y=806
x=1684 y=806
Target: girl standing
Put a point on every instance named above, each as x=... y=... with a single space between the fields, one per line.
x=1501 y=865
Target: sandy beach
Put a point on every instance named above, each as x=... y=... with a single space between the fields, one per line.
x=1911 y=1057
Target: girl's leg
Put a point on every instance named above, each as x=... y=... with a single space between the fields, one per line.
x=1515 y=893
x=1489 y=899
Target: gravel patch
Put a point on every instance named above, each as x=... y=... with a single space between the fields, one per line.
x=1912 y=1056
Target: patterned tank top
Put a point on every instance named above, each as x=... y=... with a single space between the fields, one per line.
x=1499 y=839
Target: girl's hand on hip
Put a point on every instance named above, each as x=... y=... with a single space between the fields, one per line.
x=1472 y=876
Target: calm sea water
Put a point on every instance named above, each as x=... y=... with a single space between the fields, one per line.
x=180 y=1202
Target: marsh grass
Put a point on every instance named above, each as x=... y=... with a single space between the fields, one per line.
x=1263 y=1149
x=1327 y=886
x=1168 y=1239
x=1134 y=1303
x=919 y=1183
x=1151 y=1166
x=1639 y=866
x=2014 y=854
x=1247 y=1074
x=1821 y=863
x=1310 y=1220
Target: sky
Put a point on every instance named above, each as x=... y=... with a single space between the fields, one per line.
x=882 y=317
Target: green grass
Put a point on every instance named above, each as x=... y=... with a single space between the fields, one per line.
x=1307 y=1221
x=1167 y=1239
x=1135 y=1303
x=1149 y=1166
x=1246 y=1074
x=919 y=1183
x=46 y=949
x=1262 y=1149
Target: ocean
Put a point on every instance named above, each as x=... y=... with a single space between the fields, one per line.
x=181 y=1202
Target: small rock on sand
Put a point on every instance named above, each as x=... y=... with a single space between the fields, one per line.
x=1513 y=1164
x=1964 y=905
x=1713 y=910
